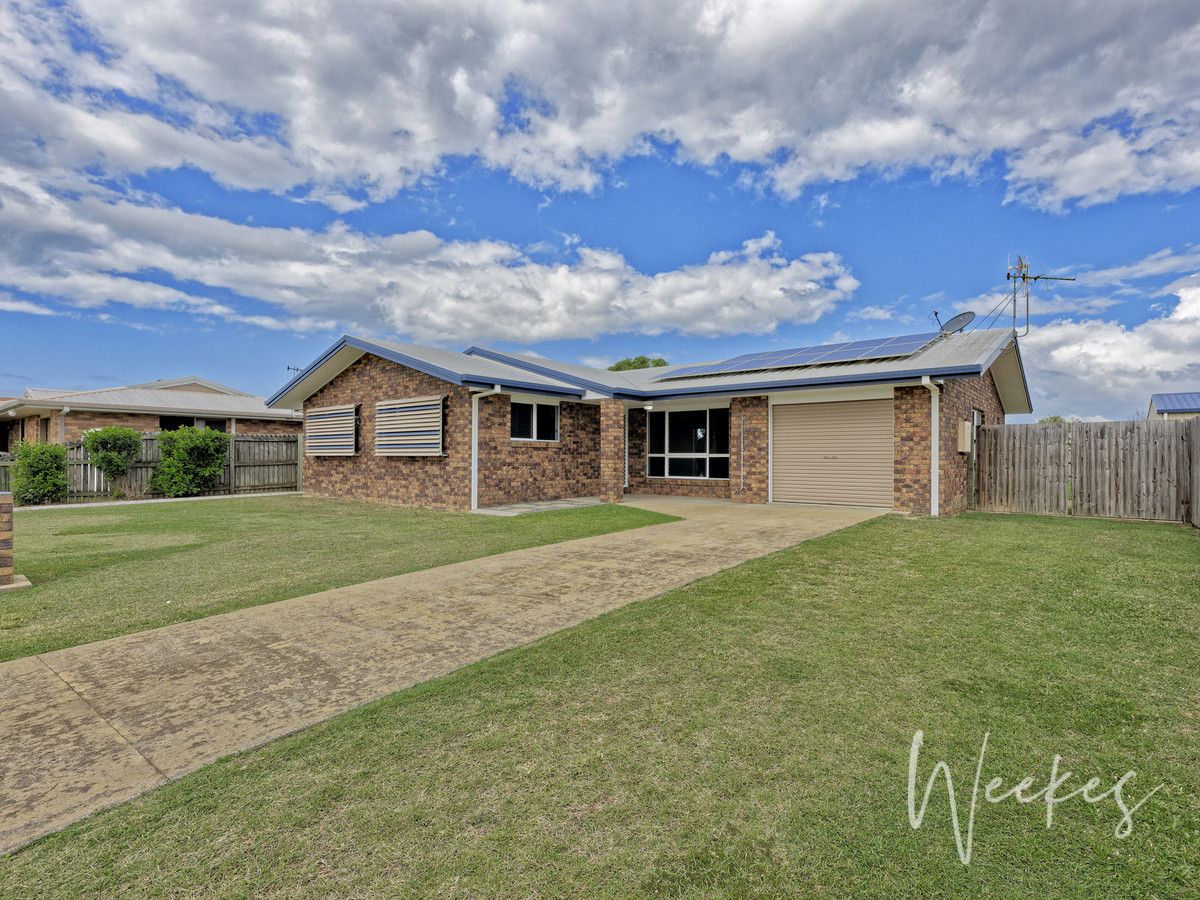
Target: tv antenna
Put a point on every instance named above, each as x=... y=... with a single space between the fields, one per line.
x=1019 y=275
x=295 y=369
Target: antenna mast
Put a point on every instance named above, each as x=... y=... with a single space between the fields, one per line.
x=1019 y=275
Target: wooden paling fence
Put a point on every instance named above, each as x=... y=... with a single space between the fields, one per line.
x=256 y=463
x=1125 y=470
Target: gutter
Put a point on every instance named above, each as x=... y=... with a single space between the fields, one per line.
x=935 y=443
x=475 y=398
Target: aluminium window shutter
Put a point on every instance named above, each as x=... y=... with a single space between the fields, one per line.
x=409 y=427
x=330 y=430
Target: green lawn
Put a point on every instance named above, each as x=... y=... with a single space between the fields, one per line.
x=747 y=735
x=98 y=573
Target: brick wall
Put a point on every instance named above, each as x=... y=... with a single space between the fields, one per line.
x=437 y=482
x=749 y=462
x=267 y=426
x=675 y=487
x=79 y=421
x=959 y=396
x=527 y=471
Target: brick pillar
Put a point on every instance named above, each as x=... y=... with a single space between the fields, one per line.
x=748 y=462
x=6 y=539
x=612 y=450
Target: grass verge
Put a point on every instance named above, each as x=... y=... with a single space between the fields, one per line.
x=99 y=573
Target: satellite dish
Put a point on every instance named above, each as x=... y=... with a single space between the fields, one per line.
x=958 y=323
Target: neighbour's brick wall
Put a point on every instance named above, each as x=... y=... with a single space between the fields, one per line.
x=529 y=471
x=437 y=482
x=267 y=426
x=749 y=464
x=639 y=483
x=959 y=396
x=78 y=421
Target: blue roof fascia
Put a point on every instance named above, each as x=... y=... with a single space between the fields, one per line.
x=911 y=375
x=494 y=356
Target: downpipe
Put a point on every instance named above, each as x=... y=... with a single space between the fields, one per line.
x=935 y=450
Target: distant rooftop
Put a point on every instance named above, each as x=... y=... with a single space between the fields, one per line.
x=1180 y=402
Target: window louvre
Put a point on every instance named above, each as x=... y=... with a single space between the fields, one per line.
x=330 y=430
x=409 y=427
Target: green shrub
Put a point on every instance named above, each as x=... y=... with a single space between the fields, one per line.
x=113 y=450
x=190 y=461
x=40 y=473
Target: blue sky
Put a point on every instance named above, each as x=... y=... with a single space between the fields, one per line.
x=178 y=199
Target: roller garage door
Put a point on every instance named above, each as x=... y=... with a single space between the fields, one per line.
x=838 y=453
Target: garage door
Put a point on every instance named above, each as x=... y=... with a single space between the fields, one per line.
x=833 y=452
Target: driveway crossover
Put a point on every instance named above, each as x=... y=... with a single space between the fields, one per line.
x=90 y=726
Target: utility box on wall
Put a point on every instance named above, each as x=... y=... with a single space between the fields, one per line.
x=964 y=436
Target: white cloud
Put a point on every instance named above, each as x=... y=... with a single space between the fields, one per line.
x=341 y=101
x=86 y=250
x=13 y=305
x=872 y=313
x=1092 y=367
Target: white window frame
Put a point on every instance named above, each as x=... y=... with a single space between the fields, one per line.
x=667 y=455
x=529 y=401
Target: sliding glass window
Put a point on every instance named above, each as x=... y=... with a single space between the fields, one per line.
x=687 y=443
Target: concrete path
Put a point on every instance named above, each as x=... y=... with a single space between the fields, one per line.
x=90 y=726
x=521 y=509
x=98 y=503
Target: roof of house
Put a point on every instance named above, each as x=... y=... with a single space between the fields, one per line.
x=1180 y=401
x=190 y=395
x=947 y=355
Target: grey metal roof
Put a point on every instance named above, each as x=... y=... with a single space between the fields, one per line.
x=144 y=398
x=947 y=352
x=1180 y=401
x=956 y=354
x=448 y=365
x=470 y=368
x=976 y=349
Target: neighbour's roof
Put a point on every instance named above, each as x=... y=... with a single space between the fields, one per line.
x=176 y=396
x=946 y=355
x=1181 y=401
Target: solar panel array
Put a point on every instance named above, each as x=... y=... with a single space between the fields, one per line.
x=851 y=351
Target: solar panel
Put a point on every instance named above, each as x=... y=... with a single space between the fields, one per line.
x=822 y=354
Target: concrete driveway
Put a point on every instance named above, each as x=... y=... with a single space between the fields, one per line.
x=90 y=726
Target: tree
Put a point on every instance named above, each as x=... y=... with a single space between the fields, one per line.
x=40 y=474
x=190 y=461
x=113 y=450
x=638 y=362
x=1052 y=420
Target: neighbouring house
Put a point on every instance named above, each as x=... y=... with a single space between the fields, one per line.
x=886 y=422
x=1181 y=405
x=54 y=416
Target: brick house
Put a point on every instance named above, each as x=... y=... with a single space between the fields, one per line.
x=42 y=415
x=883 y=423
